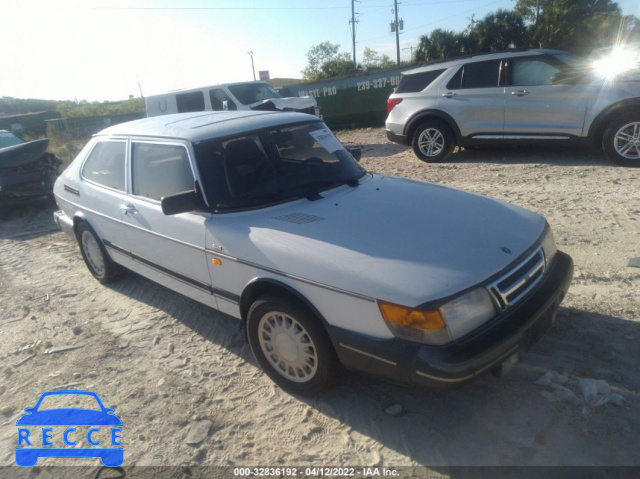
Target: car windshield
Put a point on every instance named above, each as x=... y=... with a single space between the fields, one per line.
x=9 y=139
x=248 y=93
x=69 y=401
x=273 y=166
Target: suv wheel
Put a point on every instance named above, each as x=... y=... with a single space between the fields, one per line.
x=291 y=346
x=621 y=140
x=432 y=141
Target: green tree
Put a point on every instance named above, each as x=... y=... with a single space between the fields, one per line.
x=438 y=44
x=372 y=60
x=318 y=56
x=574 y=25
x=339 y=66
x=498 y=31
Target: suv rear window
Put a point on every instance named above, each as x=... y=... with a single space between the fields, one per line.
x=417 y=81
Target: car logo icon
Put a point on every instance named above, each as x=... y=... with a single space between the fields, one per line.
x=41 y=420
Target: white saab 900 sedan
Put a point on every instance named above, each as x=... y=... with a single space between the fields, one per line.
x=266 y=217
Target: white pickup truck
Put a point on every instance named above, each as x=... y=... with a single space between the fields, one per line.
x=255 y=95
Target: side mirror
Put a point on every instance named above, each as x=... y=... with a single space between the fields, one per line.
x=184 y=202
x=356 y=152
x=29 y=409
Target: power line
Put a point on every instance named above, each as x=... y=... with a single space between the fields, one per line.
x=217 y=8
x=436 y=21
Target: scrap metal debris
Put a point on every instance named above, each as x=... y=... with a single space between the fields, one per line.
x=587 y=393
x=62 y=349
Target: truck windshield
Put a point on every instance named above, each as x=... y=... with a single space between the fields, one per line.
x=272 y=166
x=248 y=93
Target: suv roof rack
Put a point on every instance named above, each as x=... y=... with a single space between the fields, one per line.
x=473 y=55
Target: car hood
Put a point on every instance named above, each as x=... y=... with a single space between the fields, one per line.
x=289 y=103
x=389 y=238
x=22 y=154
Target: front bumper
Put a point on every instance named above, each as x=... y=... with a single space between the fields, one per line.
x=413 y=363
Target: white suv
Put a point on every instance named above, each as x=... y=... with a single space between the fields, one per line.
x=266 y=217
x=534 y=96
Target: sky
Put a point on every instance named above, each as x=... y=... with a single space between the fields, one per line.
x=99 y=50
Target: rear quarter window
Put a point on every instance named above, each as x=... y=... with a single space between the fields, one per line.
x=417 y=81
x=106 y=164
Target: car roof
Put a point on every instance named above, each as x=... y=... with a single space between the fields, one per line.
x=196 y=127
x=479 y=57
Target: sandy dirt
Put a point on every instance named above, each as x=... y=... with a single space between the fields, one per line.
x=166 y=362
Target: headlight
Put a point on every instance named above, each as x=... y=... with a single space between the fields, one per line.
x=466 y=313
x=439 y=325
x=549 y=245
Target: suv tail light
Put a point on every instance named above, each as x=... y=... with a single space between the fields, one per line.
x=391 y=102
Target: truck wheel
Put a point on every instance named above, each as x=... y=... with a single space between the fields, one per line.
x=291 y=346
x=621 y=140
x=433 y=141
x=95 y=256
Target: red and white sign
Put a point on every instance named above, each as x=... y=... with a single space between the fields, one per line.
x=264 y=75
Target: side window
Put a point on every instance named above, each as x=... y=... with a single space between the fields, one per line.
x=192 y=101
x=160 y=170
x=481 y=74
x=532 y=71
x=417 y=81
x=106 y=164
x=456 y=80
x=218 y=97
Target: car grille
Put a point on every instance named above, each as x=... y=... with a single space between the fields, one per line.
x=513 y=286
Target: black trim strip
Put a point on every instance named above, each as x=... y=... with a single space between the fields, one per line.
x=71 y=190
x=234 y=298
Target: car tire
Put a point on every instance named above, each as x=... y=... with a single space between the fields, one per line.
x=621 y=140
x=433 y=141
x=291 y=345
x=95 y=255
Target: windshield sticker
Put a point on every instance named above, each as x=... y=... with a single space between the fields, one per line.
x=326 y=139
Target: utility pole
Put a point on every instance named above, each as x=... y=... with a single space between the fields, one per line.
x=395 y=9
x=537 y=11
x=353 y=31
x=410 y=52
x=252 y=67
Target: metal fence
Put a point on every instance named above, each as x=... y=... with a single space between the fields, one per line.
x=76 y=128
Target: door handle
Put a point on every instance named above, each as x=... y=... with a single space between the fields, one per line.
x=520 y=92
x=449 y=94
x=126 y=209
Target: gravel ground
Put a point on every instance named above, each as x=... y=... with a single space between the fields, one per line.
x=175 y=369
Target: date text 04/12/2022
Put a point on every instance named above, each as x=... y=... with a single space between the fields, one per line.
x=315 y=472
